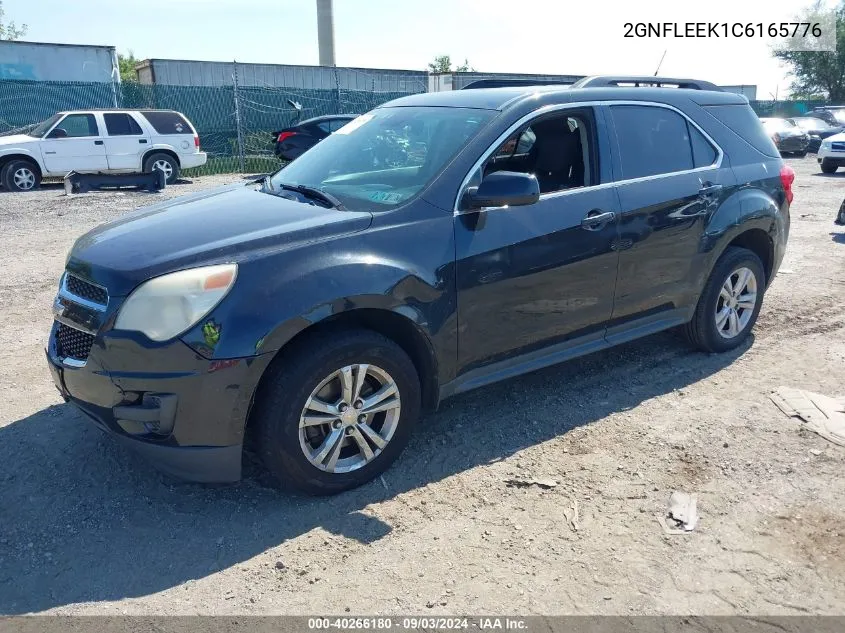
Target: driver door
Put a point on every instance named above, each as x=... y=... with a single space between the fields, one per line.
x=534 y=276
x=74 y=144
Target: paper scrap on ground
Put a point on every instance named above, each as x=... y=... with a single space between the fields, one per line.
x=822 y=414
x=682 y=514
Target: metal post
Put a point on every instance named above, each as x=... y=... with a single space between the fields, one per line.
x=337 y=88
x=236 y=94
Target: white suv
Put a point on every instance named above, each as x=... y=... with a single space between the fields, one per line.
x=95 y=141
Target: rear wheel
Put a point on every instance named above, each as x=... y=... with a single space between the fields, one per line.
x=20 y=175
x=165 y=163
x=336 y=411
x=730 y=303
x=828 y=167
x=801 y=154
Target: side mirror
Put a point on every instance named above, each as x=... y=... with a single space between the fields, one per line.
x=58 y=133
x=501 y=189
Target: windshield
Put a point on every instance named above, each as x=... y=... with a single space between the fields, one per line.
x=386 y=157
x=41 y=129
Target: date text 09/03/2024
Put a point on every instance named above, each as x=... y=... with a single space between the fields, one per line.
x=416 y=623
x=722 y=29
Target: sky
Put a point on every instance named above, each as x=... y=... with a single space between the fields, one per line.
x=522 y=36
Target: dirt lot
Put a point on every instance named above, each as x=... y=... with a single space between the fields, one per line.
x=88 y=528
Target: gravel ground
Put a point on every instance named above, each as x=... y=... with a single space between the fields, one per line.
x=88 y=528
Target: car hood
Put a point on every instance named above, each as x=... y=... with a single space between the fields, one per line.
x=233 y=223
x=16 y=139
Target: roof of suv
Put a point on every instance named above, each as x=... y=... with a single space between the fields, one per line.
x=501 y=98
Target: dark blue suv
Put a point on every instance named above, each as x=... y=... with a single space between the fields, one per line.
x=439 y=243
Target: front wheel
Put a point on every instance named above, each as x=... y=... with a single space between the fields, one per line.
x=20 y=175
x=828 y=167
x=336 y=411
x=801 y=154
x=730 y=303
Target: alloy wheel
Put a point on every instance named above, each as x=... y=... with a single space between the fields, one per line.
x=164 y=166
x=349 y=418
x=24 y=178
x=736 y=303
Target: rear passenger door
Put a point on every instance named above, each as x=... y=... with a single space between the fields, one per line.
x=125 y=141
x=669 y=178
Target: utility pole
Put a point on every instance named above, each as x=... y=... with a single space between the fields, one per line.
x=325 y=32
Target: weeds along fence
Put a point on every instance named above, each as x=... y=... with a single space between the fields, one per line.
x=235 y=123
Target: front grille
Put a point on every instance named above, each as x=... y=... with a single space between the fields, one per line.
x=837 y=147
x=71 y=343
x=86 y=290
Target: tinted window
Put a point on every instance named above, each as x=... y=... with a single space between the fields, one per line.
x=121 y=124
x=325 y=127
x=168 y=122
x=742 y=120
x=557 y=149
x=652 y=141
x=79 y=125
x=703 y=153
x=336 y=124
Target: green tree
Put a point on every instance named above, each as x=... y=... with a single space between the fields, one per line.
x=818 y=73
x=443 y=64
x=126 y=64
x=9 y=30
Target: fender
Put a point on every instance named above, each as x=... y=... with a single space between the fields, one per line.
x=301 y=292
x=9 y=151
x=748 y=208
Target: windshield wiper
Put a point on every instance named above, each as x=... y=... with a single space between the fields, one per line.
x=314 y=194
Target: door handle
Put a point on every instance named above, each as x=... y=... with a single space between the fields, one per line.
x=596 y=219
x=142 y=140
x=98 y=142
x=708 y=189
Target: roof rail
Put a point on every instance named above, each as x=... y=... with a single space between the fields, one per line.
x=506 y=83
x=608 y=81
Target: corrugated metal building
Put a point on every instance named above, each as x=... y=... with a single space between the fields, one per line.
x=37 y=61
x=199 y=73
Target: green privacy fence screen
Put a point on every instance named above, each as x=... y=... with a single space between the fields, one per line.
x=234 y=122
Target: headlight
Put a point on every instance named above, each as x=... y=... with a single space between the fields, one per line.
x=166 y=306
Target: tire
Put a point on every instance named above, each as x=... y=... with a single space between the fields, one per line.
x=801 y=154
x=295 y=379
x=828 y=167
x=702 y=331
x=21 y=175
x=165 y=162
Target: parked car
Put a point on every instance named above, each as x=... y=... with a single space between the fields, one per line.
x=816 y=129
x=832 y=115
x=831 y=154
x=327 y=306
x=100 y=141
x=788 y=137
x=293 y=141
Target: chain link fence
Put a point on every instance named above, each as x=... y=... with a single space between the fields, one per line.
x=234 y=122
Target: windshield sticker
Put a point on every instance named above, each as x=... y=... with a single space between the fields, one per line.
x=354 y=124
x=386 y=197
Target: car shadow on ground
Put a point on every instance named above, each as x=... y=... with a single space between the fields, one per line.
x=84 y=520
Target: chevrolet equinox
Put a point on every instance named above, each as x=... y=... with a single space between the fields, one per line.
x=439 y=243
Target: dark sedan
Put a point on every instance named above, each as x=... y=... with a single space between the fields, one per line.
x=788 y=137
x=816 y=129
x=293 y=141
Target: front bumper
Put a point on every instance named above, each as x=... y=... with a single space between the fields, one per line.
x=186 y=414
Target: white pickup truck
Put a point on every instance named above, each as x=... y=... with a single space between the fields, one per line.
x=100 y=141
